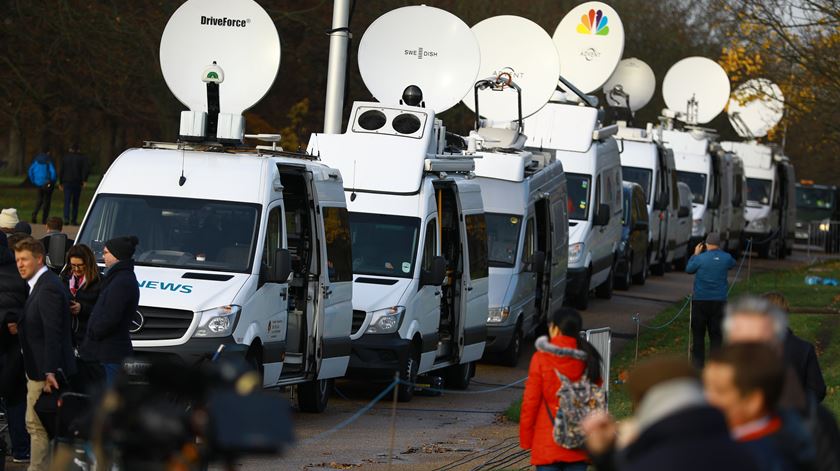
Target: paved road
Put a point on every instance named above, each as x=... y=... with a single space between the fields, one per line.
x=434 y=431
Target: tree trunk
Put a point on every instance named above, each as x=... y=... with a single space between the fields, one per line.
x=17 y=149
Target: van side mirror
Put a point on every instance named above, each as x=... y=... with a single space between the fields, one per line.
x=537 y=263
x=56 y=251
x=602 y=215
x=683 y=212
x=282 y=268
x=435 y=276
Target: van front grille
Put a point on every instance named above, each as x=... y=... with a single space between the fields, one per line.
x=154 y=323
x=358 y=320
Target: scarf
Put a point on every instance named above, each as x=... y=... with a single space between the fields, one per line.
x=76 y=284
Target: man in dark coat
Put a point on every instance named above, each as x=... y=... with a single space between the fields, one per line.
x=13 y=291
x=802 y=356
x=72 y=178
x=45 y=338
x=107 y=339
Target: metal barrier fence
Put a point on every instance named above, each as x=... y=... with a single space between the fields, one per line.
x=601 y=339
x=820 y=237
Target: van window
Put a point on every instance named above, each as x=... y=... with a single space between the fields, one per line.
x=430 y=244
x=477 y=245
x=185 y=233
x=530 y=241
x=696 y=182
x=383 y=244
x=502 y=238
x=738 y=191
x=578 y=197
x=337 y=236
x=642 y=176
x=273 y=236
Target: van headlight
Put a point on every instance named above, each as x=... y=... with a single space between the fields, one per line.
x=386 y=321
x=825 y=226
x=575 y=252
x=497 y=315
x=698 y=228
x=759 y=225
x=217 y=322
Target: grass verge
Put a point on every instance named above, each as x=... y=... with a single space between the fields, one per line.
x=817 y=328
x=14 y=195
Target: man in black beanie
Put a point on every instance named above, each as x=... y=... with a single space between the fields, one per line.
x=107 y=339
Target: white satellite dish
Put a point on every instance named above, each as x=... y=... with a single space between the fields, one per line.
x=423 y=46
x=522 y=50
x=590 y=42
x=237 y=35
x=756 y=106
x=697 y=89
x=632 y=83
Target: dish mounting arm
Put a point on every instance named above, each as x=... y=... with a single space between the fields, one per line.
x=499 y=83
x=588 y=100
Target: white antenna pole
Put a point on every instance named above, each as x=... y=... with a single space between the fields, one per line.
x=336 y=73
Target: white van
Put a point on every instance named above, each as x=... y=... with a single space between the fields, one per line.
x=249 y=249
x=771 y=191
x=420 y=273
x=732 y=191
x=524 y=196
x=648 y=163
x=590 y=158
x=682 y=232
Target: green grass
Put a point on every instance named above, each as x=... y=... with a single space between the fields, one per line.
x=818 y=329
x=13 y=195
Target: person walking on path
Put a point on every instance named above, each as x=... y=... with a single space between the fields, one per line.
x=564 y=352
x=42 y=175
x=45 y=339
x=13 y=292
x=710 y=266
x=73 y=177
x=107 y=339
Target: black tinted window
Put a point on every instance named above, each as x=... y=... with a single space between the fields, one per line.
x=337 y=235
x=477 y=245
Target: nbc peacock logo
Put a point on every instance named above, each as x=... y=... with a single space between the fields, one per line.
x=594 y=23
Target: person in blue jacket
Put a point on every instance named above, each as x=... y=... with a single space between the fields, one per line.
x=42 y=175
x=710 y=265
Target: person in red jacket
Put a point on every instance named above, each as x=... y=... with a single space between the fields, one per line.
x=560 y=352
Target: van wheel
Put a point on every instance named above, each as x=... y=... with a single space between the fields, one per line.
x=680 y=264
x=623 y=282
x=605 y=289
x=408 y=376
x=510 y=357
x=581 y=300
x=658 y=269
x=641 y=277
x=314 y=395
x=458 y=376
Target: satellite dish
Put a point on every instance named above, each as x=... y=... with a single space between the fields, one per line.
x=230 y=42
x=521 y=49
x=756 y=106
x=632 y=83
x=697 y=88
x=590 y=42
x=422 y=46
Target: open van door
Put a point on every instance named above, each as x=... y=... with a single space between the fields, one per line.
x=337 y=287
x=476 y=273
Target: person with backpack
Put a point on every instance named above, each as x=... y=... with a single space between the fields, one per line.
x=42 y=174
x=565 y=370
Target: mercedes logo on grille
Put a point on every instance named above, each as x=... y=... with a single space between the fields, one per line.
x=137 y=321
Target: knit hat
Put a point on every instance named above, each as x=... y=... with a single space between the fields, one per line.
x=713 y=239
x=122 y=247
x=8 y=218
x=24 y=227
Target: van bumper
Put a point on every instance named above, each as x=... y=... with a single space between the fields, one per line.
x=575 y=280
x=378 y=354
x=193 y=352
x=498 y=337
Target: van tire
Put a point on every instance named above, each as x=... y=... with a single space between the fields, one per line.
x=580 y=301
x=623 y=283
x=408 y=376
x=312 y=396
x=641 y=277
x=459 y=376
x=254 y=360
x=605 y=289
x=658 y=268
x=510 y=356
x=682 y=262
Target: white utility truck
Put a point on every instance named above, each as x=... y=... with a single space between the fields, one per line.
x=239 y=246
x=418 y=232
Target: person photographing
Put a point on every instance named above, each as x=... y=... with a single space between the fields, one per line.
x=710 y=266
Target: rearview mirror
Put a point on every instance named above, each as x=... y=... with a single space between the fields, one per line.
x=435 y=276
x=602 y=215
x=683 y=212
x=537 y=263
x=282 y=268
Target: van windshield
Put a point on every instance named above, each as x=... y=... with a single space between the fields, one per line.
x=176 y=232
x=384 y=245
x=814 y=198
x=640 y=176
x=758 y=190
x=697 y=183
x=578 y=198
x=502 y=238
